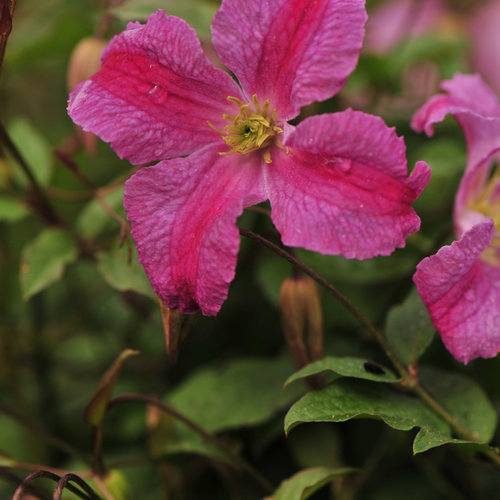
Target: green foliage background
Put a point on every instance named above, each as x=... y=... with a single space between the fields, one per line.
x=70 y=302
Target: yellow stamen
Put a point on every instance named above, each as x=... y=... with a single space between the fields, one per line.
x=251 y=129
x=488 y=204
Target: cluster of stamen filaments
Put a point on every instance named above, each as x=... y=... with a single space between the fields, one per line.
x=488 y=203
x=251 y=129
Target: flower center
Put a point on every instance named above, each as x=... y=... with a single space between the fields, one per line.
x=251 y=129
x=488 y=203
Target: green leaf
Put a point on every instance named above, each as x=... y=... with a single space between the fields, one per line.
x=345 y=399
x=34 y=149
x=184 y=440
x=244 y=392
x=123 y=275
x=96 y=409
x=346 y=367
x=6 y=460
x=464 y=399
x=430 y=437
x=117 y=485
x=198 y=14
x=44 y=259
x=409 y=329
x=319 y=445
x=12 y=210
x=303 y=484
x=93 y=218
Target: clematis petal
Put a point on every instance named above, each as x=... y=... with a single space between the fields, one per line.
x=343 y=189
x=292 y=52
x=476 y=108
x=155 y=92
x=462 y=293
x=182 y=214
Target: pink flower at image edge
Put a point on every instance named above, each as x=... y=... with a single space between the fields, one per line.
x=337 y=183
x=460 y=285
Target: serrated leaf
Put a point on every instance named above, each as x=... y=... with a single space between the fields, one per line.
x=346 y=367
x=345 y=399
x=242 y=393
x=94 y=218
x=303 y=484
x=44 y=259
x=123 y=275
x=96 y=409
x=34 y=149
x=409 y=329
x=463 y=399
x=12 y=210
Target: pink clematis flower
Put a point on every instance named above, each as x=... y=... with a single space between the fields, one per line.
x=337 y=183
x=460 y=285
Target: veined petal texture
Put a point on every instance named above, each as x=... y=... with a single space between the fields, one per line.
x=292 y=52
x=343 y=189
x=476 y=108
x=462 y=293
x=182 y=214
x=155 y=93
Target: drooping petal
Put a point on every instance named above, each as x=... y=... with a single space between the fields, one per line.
x=462 y=293
x=292 y=52
x=476 y=108
x=343 y=188
x=182 y=214
x=155 y=92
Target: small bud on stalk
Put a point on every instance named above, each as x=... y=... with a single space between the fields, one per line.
x=85 y=61
x=176 y=326
x=302 y=322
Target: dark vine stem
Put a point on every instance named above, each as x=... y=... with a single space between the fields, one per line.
x=46 y=210
x=333 y=291
x=64 y=482
x=54 y=477
x=410 y=380
x=5 y=473
x=54 y=440
x=6 y=15
x=207 y=436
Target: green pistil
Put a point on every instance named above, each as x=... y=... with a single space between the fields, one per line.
x=251 y=129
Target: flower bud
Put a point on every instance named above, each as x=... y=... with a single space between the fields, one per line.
x=85 y=60
x=176 y=326
x=302 y=319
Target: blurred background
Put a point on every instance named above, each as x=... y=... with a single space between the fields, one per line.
x=64 y=318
